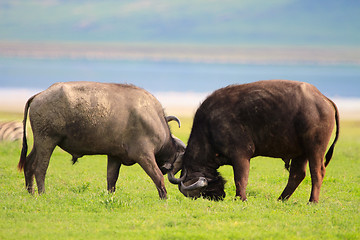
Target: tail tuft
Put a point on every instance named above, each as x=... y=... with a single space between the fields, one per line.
x=22 y=161
x=74 y=159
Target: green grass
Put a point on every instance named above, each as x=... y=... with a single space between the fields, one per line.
x=77 y=206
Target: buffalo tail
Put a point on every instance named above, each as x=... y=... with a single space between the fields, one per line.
x=24 y=149
x=331 y=149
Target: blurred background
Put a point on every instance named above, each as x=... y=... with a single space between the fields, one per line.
x=180 y=50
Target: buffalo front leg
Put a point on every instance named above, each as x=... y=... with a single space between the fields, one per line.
x=113 y=169
x=149 y=165
x=296 y=175
x=241 y=167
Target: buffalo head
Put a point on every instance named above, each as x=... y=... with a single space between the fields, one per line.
x=208 y=184
x=178 y=149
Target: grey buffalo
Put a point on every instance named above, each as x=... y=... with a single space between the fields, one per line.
x=124 y=122
x=276 y=118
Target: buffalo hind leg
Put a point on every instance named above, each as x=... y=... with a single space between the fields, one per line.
x=317 y=171
x=29 y=171
x=113 y=169
x=241 y=167
x=148 y=163
x=296 y=175
x=42 y=159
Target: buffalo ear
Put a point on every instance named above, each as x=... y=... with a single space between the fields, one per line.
x=165 y=168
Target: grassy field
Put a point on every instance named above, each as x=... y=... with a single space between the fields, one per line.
x=77 y=205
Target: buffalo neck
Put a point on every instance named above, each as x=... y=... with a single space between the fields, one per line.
x=199 y=155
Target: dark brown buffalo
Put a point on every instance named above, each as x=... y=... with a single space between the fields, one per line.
x=276 y=118
x=124 y=122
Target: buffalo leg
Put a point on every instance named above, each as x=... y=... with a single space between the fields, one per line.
x=113 y=169
x=296 y=175
x=241 y=167
x=317 y=171
x=151 y=168
x=29 y=171
x=43 y=154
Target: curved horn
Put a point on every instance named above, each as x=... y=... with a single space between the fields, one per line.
x=200 y=183
x=175 y=180
x=179 y=142
x=173 y=118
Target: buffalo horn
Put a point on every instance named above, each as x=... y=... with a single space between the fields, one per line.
x=200 y=183
x=173 y=118
x=175 y=180
x=179 y=142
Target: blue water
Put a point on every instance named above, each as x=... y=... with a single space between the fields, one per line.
x=332 y=80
